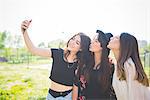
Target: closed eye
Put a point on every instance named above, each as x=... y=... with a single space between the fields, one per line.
x=77 y=42
x=96 y=40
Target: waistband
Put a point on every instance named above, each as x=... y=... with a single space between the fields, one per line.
x=58 y=94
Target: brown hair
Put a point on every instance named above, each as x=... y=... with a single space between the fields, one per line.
x=104 y=75
x=83 y=55
x=129 y=48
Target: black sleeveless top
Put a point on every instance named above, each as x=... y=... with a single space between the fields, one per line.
x=92 y=90
x=62 y=72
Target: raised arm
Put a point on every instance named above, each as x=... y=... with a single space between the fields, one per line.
x=34 y=50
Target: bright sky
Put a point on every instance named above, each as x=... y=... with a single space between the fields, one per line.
x=53 y=19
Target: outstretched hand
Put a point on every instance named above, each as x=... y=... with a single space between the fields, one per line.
x=25 y=24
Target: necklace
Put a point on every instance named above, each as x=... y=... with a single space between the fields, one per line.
x=71 y=65
x=97 y=66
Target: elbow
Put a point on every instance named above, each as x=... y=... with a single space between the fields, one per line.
x=32 y=50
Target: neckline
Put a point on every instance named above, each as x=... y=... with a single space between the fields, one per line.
x=66 y=60
x=71 y=66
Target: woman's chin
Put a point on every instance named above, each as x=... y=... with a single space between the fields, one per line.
x=91 y=50
x=69 y=49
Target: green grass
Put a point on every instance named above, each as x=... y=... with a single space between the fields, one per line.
x=18 y=82
x=21 y=83
x=36 y=62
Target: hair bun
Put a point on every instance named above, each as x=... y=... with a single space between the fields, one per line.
x=108 y=36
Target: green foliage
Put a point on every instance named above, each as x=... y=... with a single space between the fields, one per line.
x=12 y=48
x=2 y=39
x=5 y=94
x=42 y=45
x=22 y=83
x=57 y=44
x=146 y=48
x=147 y=71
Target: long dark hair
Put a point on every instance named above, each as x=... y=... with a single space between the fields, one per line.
x=129 y=48
x=83 y=56
x=104 y=69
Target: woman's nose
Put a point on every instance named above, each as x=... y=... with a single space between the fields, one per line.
x=92 y=42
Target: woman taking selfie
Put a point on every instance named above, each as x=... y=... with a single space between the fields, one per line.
x=64 y=62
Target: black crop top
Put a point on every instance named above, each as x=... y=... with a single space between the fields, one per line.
x=60 y=72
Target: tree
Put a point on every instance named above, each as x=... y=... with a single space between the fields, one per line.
x=147 y=48
x=42 y=45
x=2 y=39
x=57 y=43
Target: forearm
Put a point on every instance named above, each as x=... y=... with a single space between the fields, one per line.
x=75 y=93
x=28 y=42
x=34 y=50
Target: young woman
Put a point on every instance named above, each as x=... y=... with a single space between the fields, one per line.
x=93 y=82
x=129 y=80
x=64 y=63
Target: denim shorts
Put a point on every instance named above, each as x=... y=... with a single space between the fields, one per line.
x=67 y=97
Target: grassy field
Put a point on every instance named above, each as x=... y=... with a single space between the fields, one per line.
x=26 y=82
x=23 y=83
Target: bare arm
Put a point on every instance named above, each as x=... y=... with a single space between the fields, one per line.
x=34 y=50
x=75 y=92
